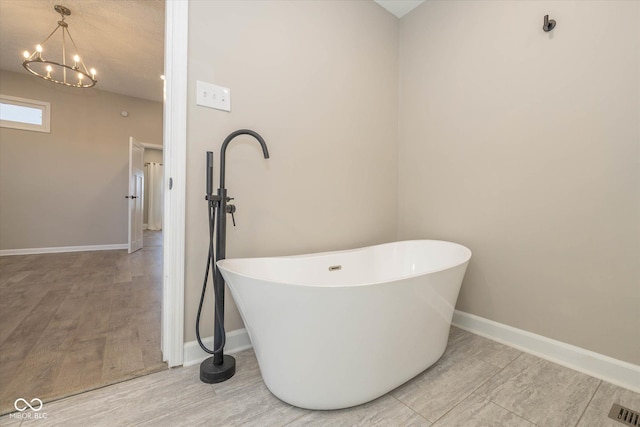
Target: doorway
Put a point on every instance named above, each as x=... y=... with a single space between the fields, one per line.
x=106 y=260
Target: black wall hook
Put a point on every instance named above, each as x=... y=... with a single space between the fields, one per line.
x=549 y=24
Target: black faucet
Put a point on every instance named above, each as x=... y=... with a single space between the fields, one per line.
x=226 y=142
x=223 y=206
x=223 y=366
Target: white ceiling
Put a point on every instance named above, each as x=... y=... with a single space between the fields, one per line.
x=122 y=40
x=399 y=7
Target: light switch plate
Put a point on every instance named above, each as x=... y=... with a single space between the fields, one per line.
x=213 y=96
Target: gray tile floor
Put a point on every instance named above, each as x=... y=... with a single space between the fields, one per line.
x=477 y=382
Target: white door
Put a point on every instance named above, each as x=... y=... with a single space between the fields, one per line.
x=136 y=193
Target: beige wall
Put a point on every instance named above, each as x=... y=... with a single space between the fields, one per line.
x=525 y=146
x=67 y=187
x=318 y=80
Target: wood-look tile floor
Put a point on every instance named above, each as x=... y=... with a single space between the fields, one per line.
x=71 y=322
x=476 y=383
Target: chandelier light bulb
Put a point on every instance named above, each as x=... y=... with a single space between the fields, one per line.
x=93 y=73
x=49 y=69
x=25 y=54
x=39 y=48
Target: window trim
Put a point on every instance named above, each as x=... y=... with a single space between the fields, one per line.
x=31 y=103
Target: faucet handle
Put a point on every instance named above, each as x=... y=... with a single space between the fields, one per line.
x=232 y=209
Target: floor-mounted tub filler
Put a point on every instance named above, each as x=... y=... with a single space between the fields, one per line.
x=337 y=329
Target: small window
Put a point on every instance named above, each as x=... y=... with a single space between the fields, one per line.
x=25 y=114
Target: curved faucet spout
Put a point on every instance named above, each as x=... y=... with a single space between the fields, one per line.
x=229 y=138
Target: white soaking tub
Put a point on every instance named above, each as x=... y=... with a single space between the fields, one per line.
x=337 y=329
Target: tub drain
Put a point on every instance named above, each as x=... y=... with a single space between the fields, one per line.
x=624 y=415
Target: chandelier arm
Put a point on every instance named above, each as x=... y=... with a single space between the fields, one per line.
x=39 y=54
x=77 y=50
x=49 y=36
x=64 y=59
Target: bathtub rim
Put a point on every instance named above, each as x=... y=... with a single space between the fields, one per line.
x=221 y=264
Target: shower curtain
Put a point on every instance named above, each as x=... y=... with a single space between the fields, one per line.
x=156 y=197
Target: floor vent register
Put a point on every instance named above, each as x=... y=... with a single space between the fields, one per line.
x=624 y=415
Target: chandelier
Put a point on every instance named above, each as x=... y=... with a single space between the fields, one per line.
x=62 y=72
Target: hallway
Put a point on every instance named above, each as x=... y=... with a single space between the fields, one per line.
x=72 y=322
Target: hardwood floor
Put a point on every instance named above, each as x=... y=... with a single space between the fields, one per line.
x=72 y=322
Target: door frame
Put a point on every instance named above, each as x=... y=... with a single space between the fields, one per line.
x=174 y=159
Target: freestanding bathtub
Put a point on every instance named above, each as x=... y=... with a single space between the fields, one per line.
x=337 y=329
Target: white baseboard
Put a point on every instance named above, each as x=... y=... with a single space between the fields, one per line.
x=237 y=340
x=618 y=372
x=60 y=249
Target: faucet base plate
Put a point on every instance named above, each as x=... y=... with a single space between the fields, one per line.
x=211 y=373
